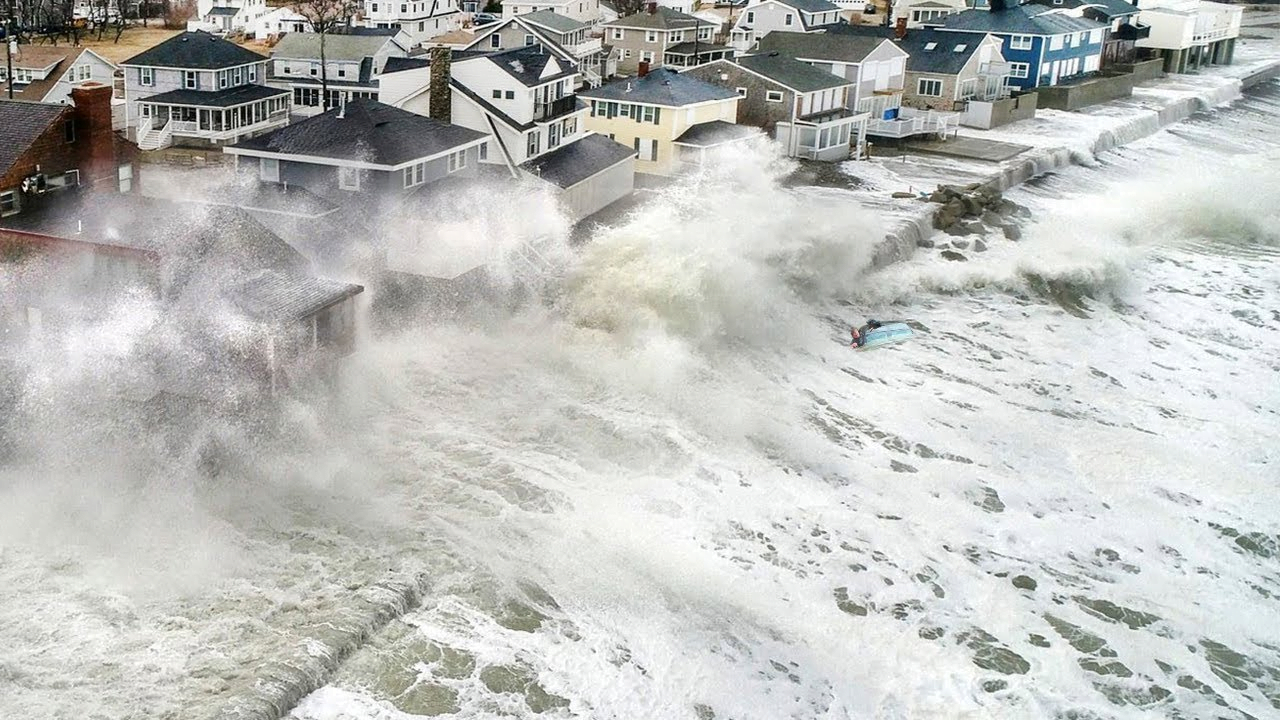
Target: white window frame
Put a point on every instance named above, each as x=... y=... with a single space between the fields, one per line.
x=788 y=19
x=495 y=41
x=457 y=161
x=413 y=175
x=931 y=83
x=651 y=36
x=751 y=18
x=742 y=92
x=190 y=80
x=124 y=177
x=348 y=178
x=1055 y=42
x=1020 y=42
x=273 y=175
x=1019 y=70
x=773 y=96
x=8 y=203
x=619 y=34
x=147 y=76
x=1095 y=36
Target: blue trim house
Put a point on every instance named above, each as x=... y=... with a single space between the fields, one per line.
x=1044 y=46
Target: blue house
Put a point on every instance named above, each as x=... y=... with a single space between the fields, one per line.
x=1043 y=45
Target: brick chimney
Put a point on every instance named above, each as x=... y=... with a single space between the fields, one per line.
x=94 y=135
x=900 y=28
x=440 y=97
x=643 y=68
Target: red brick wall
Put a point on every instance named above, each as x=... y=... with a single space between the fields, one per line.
x=50 y=151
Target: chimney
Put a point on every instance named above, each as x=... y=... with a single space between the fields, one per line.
x=440 y=97
x=900 y=28
x=643 y=68
x=997 y=6
x=652 y=7
x=94 y=134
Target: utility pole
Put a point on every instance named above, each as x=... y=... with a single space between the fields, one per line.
x=10 y=44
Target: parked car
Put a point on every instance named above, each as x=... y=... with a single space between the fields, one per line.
x=483 y=18
x=870 y=9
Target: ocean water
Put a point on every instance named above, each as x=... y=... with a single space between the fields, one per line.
x=666 y=488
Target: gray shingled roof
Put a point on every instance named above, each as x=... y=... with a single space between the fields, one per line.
x=838 y=47
x=569 y=165
x=229 y=97
x=287 y=297
x=337 y=48
x=791 y=73
x=527 y=63
x=664 y=19
x=660 y=87
x=554 y=21
x=943 y=57
x=1019 y=20
x=368 y=132
x=1109 y=8
x=224 y=11
x=20 y=124
x=812 y=6
x=716 y=132
x=197 y=50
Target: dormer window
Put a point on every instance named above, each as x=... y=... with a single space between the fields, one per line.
x=961 y=48
x=931 y=46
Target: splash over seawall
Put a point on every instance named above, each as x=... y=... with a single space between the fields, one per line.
x=900 y=243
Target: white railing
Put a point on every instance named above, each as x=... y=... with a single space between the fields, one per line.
x=583 y=49
x=914 y=122
x=995 y=68
x=154 y=138
x=1209 y=36
x=592 y=77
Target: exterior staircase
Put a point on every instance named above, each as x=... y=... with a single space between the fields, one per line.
x=154 y=138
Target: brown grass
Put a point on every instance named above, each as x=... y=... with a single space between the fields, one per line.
x=137 y=38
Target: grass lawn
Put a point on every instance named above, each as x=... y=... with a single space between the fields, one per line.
x=137 y=38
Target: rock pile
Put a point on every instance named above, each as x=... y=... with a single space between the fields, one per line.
x=960 y=202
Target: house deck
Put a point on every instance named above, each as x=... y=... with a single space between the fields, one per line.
x=971 y=148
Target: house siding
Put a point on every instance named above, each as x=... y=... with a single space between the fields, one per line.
x=753 y=108
x=672 y=122
x=912 y=98
x=169 y=79
x=322 y=180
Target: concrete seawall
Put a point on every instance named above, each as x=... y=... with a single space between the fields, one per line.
x=901 y=242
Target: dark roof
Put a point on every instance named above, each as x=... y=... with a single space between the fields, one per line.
x=39 y=57
x=664 y=18
x=228 y=11
x=368 y=132
x=660 y=87
x=197 y=50
x=811 y=6
x=716 y=132
x=397 y=64
x=21 y=123
x=287 y=297
x=792 y=73
x=1107 y=8
x=569 y=165
x=689 y=48
x=554 y=21
x=838 y=47
x=229 y=97
x=1019 y=20
x=948 y=54
x=345 y=48
x=384 y=32
x=881 y=31
x=527 y=63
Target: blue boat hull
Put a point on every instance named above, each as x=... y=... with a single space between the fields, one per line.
x=886 y=335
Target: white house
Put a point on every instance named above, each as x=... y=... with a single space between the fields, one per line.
x=228 y=16
x=1190 y=33
x=569 y=39
x=421 y=19
x=280 y=21
x=927 y=12
x=352 y=62
x=587 y=11
x=761 y=17
x=44 y=73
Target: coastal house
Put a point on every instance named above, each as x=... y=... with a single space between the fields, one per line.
x=279 y=21
x=361 y=150
x=44 y=73
x=1044 y=46
x=586 y=11
x=668 y=118
x=877 y=66
x=352 y=66
x=919 y=13
x=49 y=149
x=228 y=16
x=965 y=73
x=1189 y=34
x=525 y=100
x=200 y=90
x=761 y=17
x=659 y=36
x=805 y=109
x=567 y=38
x=1124 y=28
x=421 y=19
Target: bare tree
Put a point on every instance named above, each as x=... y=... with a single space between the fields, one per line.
x=327 y=17
x=627 y=8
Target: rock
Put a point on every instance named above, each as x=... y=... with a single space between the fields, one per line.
x=979 y=246
x=1011 y=232
x=925 y=243
x=972 y=205
x=938 y=196
x=960 y=243
x=1022 y=582
x=953 y=255
x=991 y=218
x=903 y=195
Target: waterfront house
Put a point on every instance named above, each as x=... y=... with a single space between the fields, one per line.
x=1189 y=34
x=805 y=109
x=421 y=19
x=927 y=12
x=352 y=66
x=49 y=149
x=946 y=70
x=668 y=118
x=1121 y=17
x=43 y=73
x=761 y=17
x=659 y=36
x=586 y=11
x=362 y=150
x=228 y=16
x=200 y=90
x=567 y=38
x=279 y=21
x=1044 y=46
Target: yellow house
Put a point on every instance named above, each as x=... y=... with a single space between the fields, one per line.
x=669 y=118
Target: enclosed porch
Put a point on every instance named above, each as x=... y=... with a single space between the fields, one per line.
x=210 y=118
x=830 y=136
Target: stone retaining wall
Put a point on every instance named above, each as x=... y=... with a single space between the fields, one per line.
x=1100 y=89
x=1143 y=70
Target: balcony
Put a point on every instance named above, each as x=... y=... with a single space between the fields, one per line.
x=583 y=49
x=1204 y=37
x=551 y=110
x=999 y=69
x=914 y=122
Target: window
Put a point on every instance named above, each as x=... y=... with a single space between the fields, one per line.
x=413 y=175
x=1055 y=42
x=742 y=92
x=8 y=202
x=146 y=76
x=1020 y=42
x=190 y=80
x=495 y=41
x=314 y=69
x=617 y=33
x=222 y=80
x=786 y=19
x=646 y=56
x=528 y=40
x=961 y=48
x=570 y=127
x=403 y=8
x=651 y=114
x=751 y=18
x=269 y=170
x=533 y=143
x=929 y=88
x=69 y=131
x=124 y=175
x=1095 y=36
x=484 y=151
x=348 y=178
x=1019 y=70
x=773 y=96
x=373 y=7
x=342 y=71
x=497 y=94
x=253 y=73
x=930 y=46
x=457 y=160
x=968 y=89
x=646 y=149
x=626 y=54
x=553 y=136
x=511 y=94
x=651 y=36
x=70 y=178
x=288 y=70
